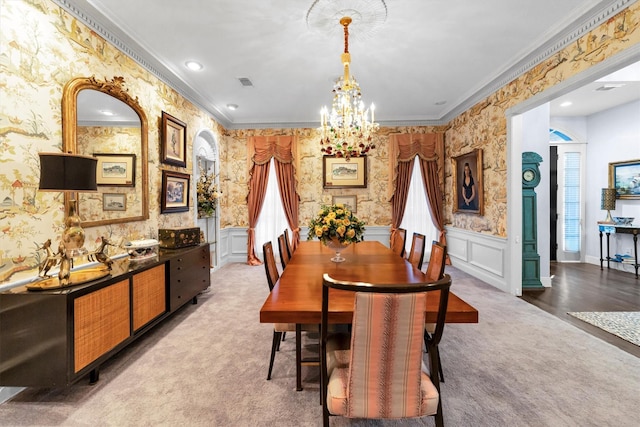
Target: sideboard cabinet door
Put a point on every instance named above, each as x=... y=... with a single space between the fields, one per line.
x=149 y=296
x=101 y=321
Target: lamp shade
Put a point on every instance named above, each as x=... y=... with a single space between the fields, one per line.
x=608 y=201
x=67 y=172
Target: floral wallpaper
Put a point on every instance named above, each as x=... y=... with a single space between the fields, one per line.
x=485 y=126
x=42 y=47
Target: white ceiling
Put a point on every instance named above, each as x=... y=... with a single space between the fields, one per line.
x=425 y=53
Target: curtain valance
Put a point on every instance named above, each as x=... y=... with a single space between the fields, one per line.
x=281 y=147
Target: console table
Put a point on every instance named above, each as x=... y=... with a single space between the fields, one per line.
x=619 y=229
x=53 y=338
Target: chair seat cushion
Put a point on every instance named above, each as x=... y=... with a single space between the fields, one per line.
x=337 y=393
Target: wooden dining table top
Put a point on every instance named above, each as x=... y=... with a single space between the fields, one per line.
x=297 y=295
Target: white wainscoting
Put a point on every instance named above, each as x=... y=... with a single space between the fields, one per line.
x=233 y=241
x=480 y=255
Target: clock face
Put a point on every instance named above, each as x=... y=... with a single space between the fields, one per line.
x=528 y=175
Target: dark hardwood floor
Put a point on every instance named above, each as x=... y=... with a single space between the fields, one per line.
x=584 y=287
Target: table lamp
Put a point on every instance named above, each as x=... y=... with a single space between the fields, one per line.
x=608 y=202
x=68 y=173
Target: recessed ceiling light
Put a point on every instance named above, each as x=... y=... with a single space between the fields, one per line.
x=107 y=112
x=232 y=106
x=193 y=65
x=566 y=103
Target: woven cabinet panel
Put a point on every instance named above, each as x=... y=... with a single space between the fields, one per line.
x=101 y=321
x=149 y=296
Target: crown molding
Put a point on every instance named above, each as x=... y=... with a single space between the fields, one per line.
x=576 y=29
x=594 y=17
x=92 y=18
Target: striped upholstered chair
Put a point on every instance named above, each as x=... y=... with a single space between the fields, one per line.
x=378 y=371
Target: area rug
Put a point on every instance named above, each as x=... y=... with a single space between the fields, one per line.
x=625 y=324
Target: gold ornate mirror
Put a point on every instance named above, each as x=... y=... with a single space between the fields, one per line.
x=101 y=119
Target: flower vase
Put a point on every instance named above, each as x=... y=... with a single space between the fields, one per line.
x=337 y=246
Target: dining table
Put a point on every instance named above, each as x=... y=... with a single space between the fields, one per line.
x=297 y=295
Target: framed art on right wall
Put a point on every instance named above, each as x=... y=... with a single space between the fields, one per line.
x=625 y=178
x=468 y=194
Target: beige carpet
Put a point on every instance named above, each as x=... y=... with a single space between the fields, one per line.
x=206 y=366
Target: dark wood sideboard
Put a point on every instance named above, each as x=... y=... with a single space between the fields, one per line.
x=54 y=338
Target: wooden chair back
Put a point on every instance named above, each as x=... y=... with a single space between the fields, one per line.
x=284 y=251
x=416 y=254
x=398 y=241
x=435 y=268
x=379 y=344
x=270 y=266
x=288 y=242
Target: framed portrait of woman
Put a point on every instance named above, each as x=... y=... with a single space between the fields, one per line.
x=468 y=183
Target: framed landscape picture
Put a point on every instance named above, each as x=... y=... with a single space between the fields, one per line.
x=349 y=202
x=338 y=172
x=116 y=169
x=625 y=178
x=468 y=194
x=114 y=202
x=173 y=146
x=175 y=192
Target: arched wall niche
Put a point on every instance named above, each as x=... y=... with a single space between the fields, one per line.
x=206 y=159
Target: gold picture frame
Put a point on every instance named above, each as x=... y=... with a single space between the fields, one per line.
x=625 y=178
x=116 y=169
x=468 y=196
x=338 y=172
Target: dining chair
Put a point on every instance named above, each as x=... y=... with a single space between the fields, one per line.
x=279 y=329
x=284 y=251
x=378 y=371
x=399 y=241
x=416 y=254
x=288 y=242
x=435 y=272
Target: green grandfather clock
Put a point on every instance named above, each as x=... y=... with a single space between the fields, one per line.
x=530 y=257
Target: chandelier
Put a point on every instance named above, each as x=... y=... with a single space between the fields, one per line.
x=347 y=130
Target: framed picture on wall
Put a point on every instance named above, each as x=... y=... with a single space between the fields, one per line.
x=338 y=172
x=173 y=145
x=468 y=194
x=116 y=169
x=349 y=202
x=625 y=178
x=114 y=202
x=175 y=192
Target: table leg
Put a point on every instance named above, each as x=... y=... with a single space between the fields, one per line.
x=635 y=251
x=608 y=257
x=298 y=357
x=601 y=259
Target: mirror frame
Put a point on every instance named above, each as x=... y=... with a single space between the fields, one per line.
x=115 y=89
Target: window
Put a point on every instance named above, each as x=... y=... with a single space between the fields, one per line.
x=571 y=202
x=417 y=215
x=272 y=220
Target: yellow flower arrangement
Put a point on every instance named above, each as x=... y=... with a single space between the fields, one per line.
x=208 y=195
x=336 y=222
